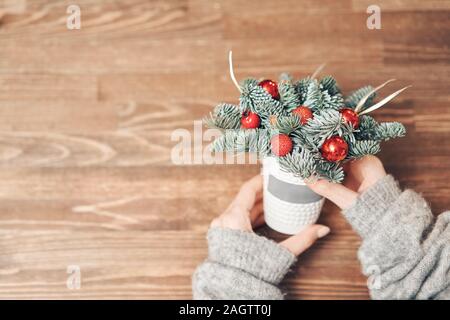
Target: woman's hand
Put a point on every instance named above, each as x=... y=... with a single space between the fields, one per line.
x=361 y=175
x=246 y=213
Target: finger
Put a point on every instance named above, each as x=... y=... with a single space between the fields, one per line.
x=342 y=196
x=248 y=192
x=351 y=181
x=259 y=221
x=305 y=239
x=256 y=211
x=259 y=196
x=230 y=220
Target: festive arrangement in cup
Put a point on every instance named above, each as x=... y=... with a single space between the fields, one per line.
x=307 y=124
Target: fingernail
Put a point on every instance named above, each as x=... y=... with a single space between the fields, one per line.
x=322 y=232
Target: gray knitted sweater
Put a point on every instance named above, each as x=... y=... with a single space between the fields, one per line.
x=405 y=251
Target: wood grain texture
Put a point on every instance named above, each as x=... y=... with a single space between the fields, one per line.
x=86 y=118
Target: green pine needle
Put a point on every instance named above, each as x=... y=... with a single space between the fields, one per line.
x=360 y=149
x=289 y=97
x=301 y=164
x=353 y=99
x=326 y=124
x=382 y=132
x=332 y=172
x=253 y=140
x=224 y=116
x=286 y=124
x=329 y=84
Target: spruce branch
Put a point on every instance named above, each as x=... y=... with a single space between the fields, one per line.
x=329 y=84
x=255 y=141
x=367 y=123
x=302 y=140
x=332 y=101
x=265 y=109
x=313 y=96
x=225 y=143
x=361 y=104
x=301 y=164
x=333 y=172
x=326 y=124
x=360 y=149
x=389 y=130
x=353 y=99
x=224 y=116
x=286 y=124
x=289 y=97
x=263 y=147
x=382 y=131
x=301 y=87
x=255 y=99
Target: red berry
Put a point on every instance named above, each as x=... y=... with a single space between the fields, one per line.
x=281 y=144
x=334 y=149
x=271 y=88
x=304 y=113
x=350 y=116
x=250 y=120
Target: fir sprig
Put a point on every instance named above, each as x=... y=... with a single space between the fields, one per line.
x=288 y=95
x=301 y=87
x=353 y=99
x=301 y=164
x=330 y=171
x=360 y=149
x=257 y=100
x=326 y=124
x=329 y=84
x=286 y=124
x=313 y=96
x=370 y=130
x=254 y=141
x=224 y=116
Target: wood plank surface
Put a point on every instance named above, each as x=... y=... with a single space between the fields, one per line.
x=87 y=116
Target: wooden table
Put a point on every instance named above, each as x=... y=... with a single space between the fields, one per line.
x=86 y=118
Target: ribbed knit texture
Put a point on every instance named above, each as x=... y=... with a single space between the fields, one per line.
x=405 y=251
x=241 y=265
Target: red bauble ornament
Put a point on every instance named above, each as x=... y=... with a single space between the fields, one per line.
x=271 y=88
x=281 y=144
x=350 y=116
x=250 y=120
x=304 y=113
x=334 y=149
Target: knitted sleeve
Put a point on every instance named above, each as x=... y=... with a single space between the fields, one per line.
x=405 y=249
x=241 y=265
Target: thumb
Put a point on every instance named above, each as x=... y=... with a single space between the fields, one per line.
x=305 y=239
x=340 y=195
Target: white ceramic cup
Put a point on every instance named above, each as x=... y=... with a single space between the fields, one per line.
x=289 y=204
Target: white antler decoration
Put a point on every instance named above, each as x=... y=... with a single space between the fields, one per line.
x=318 y=70
x=233 y=78
x=384 y=101
x=364 y=99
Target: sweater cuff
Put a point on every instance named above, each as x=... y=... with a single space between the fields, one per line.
x=369 y=207
x=259 y=256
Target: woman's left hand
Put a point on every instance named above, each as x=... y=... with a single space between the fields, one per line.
x=245 y=213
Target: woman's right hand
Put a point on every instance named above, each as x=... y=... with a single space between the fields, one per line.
x=361 y=175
